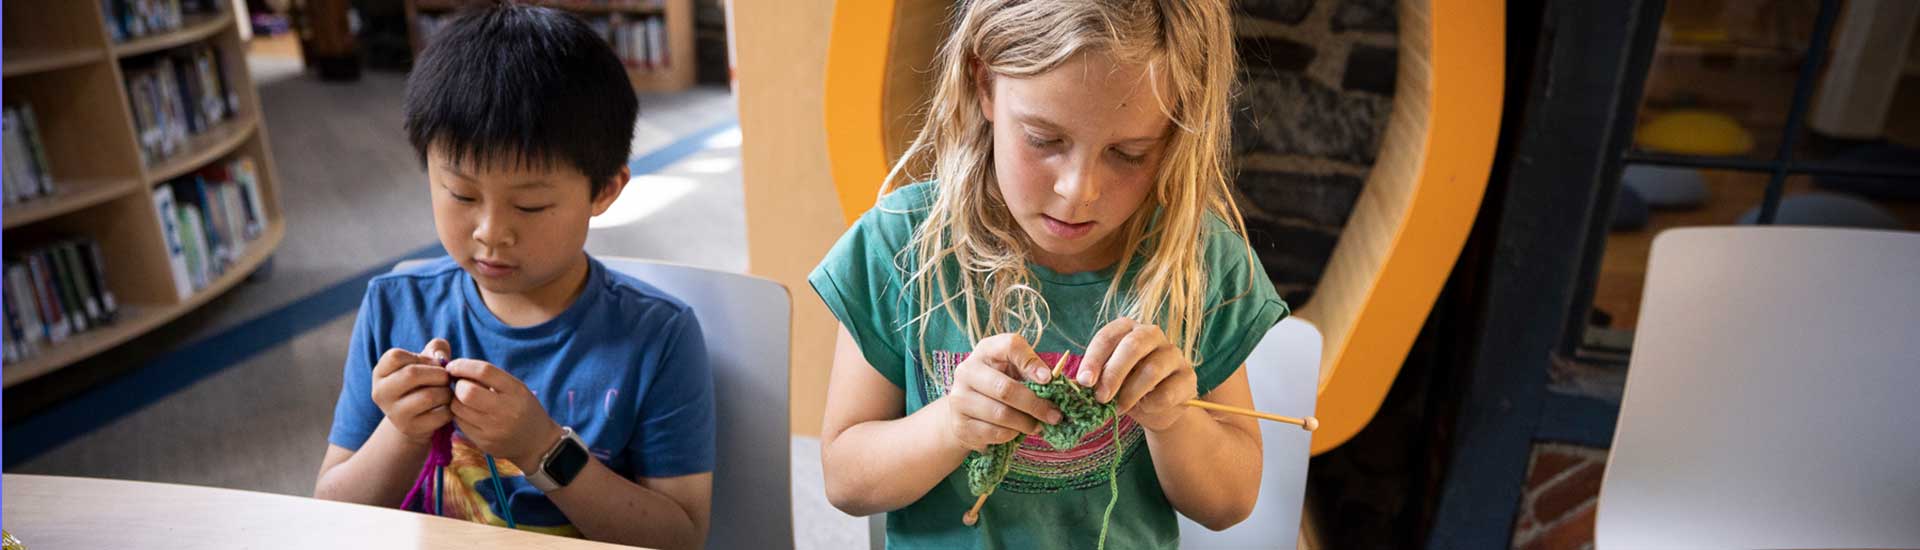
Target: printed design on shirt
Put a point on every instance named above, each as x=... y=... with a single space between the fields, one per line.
x=468 y=493
x=1037 y=467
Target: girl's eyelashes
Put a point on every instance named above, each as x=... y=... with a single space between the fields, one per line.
x=1042 y=142
x=1130 y=158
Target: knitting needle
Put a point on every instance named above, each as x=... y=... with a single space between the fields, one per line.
x=1308 y=423
x=973 y=514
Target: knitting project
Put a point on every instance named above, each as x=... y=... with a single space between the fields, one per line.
x=1080 y=414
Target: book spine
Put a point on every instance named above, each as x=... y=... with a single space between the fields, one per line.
x=193 y=231
x=17 y=168
x=38 y=149
x=65 y=284
x=57 y=326
x=243 y=173
x=168 y=207
x=97 y=271
x=83 y=281
x=20 y=288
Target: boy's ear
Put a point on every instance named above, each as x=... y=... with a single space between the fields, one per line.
x=612 y=191
x=983 y=87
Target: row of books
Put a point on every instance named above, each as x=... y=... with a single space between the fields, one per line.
x=27 y=174
x=176 y=95
x=640 y=42
x=54 y=292
x=127 y=19
x=208 y=218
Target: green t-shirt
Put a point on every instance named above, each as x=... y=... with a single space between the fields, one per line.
x=1051 y=499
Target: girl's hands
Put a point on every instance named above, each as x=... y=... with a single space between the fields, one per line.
x=988 y=403
x=1133 y=365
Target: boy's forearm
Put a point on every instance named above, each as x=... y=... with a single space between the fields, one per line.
x=1208 y=467
x=379 y=474
x=879 y=466
x=609 y=508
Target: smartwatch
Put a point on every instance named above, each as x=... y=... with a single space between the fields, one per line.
x=560 y=464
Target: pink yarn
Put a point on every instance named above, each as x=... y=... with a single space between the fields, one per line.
x=439 y=455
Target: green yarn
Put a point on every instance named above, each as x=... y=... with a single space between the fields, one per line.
x=1081 y=415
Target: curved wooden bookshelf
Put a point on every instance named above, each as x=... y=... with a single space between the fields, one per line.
x=24 y=61
x=138 y=319
x=194 y=29
x=69 y=196
x=203 y=148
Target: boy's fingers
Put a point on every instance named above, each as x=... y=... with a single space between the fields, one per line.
x=416 y=375
x=486 y=374
x=438 y=349
x=392 y=360
x=475 y=395
x=1100 y=349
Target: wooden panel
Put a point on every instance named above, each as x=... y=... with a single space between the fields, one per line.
x=39 y=28
x=194 y=29
x=203 y=148
x=792 y=212
x=1414 y=215
x=68 y=196
x=83 y=121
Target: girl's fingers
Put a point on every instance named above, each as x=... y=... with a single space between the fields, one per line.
x=981 y=434
x=985 y=409
x=1139 y=342
x=1153 y=372
x=1012 y=355
x=1100 y=349
x=1007 y=392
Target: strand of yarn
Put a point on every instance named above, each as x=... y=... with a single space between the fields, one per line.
x=439 y=455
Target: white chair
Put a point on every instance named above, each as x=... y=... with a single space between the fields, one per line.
x=746 y=322
x=1770 y=399
x=1284 y=371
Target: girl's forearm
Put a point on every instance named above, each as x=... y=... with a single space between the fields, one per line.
x=1209 y=467
x=884 y=465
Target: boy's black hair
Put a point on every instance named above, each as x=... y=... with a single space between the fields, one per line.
x=522 y=84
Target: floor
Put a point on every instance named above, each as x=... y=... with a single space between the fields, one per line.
x=354 y=201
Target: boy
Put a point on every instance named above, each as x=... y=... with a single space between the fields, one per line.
x=588 y=390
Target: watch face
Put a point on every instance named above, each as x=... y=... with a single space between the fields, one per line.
x=567 y=462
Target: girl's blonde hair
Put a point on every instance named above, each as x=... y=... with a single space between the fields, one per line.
x=986 y=287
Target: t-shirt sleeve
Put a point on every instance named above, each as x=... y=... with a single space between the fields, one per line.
x=675 y=432
x=1242 y=304
x=355 y=416
x=861 y=285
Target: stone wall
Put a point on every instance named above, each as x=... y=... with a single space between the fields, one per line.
x=1318 y=79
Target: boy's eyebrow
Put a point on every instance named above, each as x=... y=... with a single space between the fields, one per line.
x=1032 y=119
x=530 y=184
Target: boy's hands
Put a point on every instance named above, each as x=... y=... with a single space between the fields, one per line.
x=1133 y=365
x=411 y=389
x=988 y=402
x=499 y=414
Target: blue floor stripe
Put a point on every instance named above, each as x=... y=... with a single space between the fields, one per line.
x=176 y=370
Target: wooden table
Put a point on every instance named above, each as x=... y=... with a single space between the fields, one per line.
x=55 y=513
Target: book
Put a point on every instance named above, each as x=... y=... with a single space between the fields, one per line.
x=51 y=310
x=96 y=264
x=19 y=170
x=20 y=293
x=193 y=234
x=242 y=172
x=82 y=280
x=65 y=284
x=37 y=149
x=168 y=209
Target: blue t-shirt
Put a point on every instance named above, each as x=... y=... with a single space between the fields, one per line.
x=624 y=366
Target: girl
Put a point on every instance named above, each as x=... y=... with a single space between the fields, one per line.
x=1077 y=205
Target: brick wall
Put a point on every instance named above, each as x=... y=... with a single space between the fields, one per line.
x=1561 y=495
x=1318 y=79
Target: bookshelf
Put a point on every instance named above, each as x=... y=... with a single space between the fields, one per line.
x=62 y=60
x=677 y=22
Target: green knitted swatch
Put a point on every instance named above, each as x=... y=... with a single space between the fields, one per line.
x=1081 y=415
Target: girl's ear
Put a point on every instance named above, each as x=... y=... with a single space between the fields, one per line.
x=983 y=87
x=612 y=191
